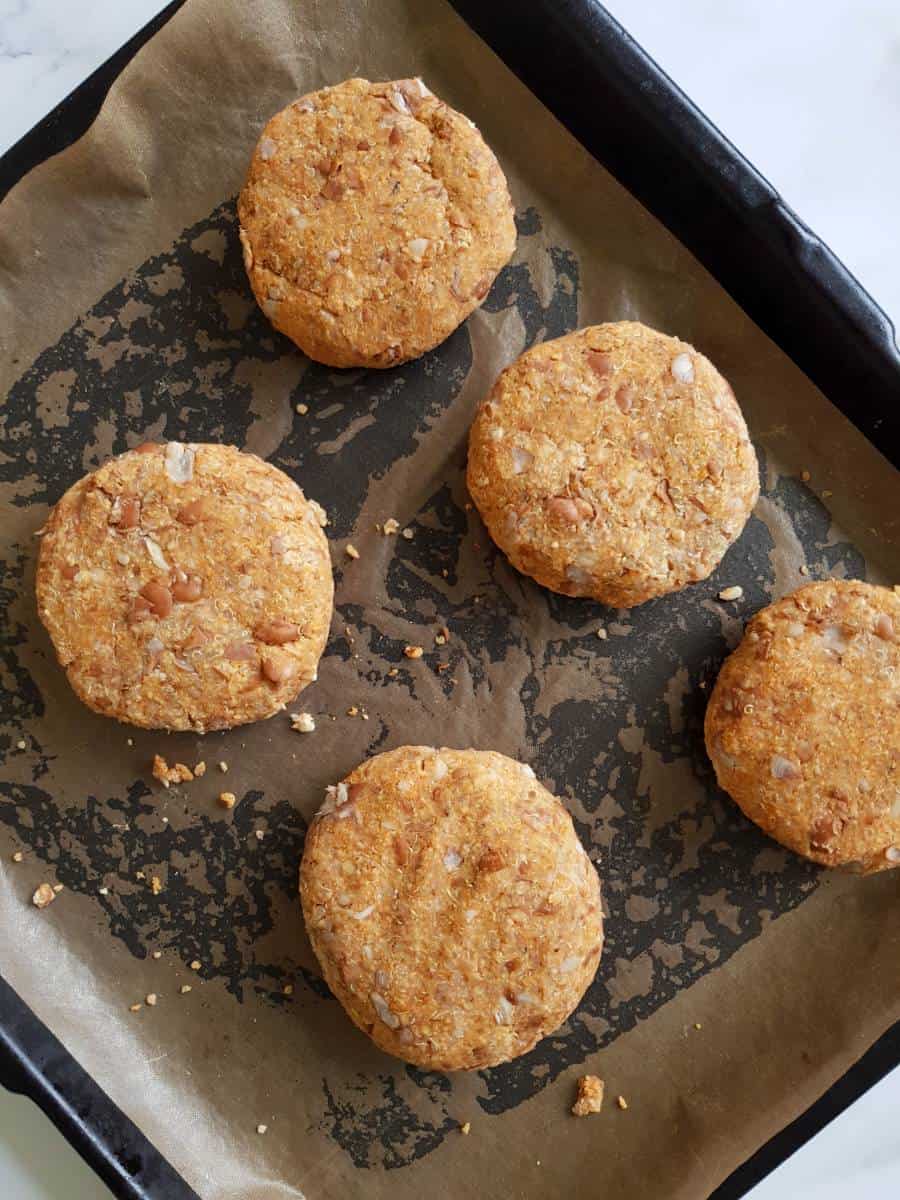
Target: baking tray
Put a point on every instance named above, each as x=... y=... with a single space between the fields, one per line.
x=599 y=83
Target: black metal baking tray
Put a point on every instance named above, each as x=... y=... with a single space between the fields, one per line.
x=586 y=69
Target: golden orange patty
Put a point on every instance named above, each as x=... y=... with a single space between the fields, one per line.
x=374 y=219
x=803 y=725
x=613 y=463
x=451 y=906
x=186 y=587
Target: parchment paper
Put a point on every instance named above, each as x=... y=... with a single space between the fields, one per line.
x=737 y=981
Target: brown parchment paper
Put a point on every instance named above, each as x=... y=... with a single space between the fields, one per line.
x=737 y=983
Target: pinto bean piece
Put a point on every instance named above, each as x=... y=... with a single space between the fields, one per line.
x=130 y=516
x=193 y=512
x=277 y=670
x=158 y=597
x=187 y=590
x=277 y=632
x=240 y=652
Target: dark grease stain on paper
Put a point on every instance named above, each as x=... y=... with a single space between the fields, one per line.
x=614 y=726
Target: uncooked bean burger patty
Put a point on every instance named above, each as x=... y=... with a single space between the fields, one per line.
x=451 y=906
x=613 y=463
x=803 y=725
x=186 y=587
x=374 y=219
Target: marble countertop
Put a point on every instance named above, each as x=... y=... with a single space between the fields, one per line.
x=810 y=92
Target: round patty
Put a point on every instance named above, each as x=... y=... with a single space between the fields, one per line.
x=453 y=910
x=613 y=463
x=803 y=725
x=374 y=219
x=186 y=587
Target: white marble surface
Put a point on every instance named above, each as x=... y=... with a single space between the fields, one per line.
x=810 y=92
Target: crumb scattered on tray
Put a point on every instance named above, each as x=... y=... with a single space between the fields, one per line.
x=18 y=856
x=135 y=1007
x=413 y=651
x=261 y=1128
x=151 y=998
x=622 y=1102
x=352 y=711
x=697 y=1025
x=303 y=722
x=602 y=634
x=195 y=965
x=178 y=773
x=43 y=895
x=288 y=989
x=302 y=409
x=156 y=885
x=351 y=551
x=185 y=988
x=590 y=1096
x=390 y=527
x=805 y=476
x=223 y=767
x=466 y=1128
x=260 y=834
x=156 y=954
x=227 y=799
x=804 y=570
x=393 y=672
x=731 y=593
x=21 y=744
x=199 y=770
x=408 y=534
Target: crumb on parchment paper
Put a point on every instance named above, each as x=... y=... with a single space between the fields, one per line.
x=177 y=773
x=589 y=1098
x=43 y=895
x=303 y=722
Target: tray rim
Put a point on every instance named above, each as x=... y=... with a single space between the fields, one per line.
x=579 y=43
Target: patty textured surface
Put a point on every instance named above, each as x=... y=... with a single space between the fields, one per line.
x=374 y=219
x=186 y=587
x=803 y=725
x=452 y=908
x=612 y=463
